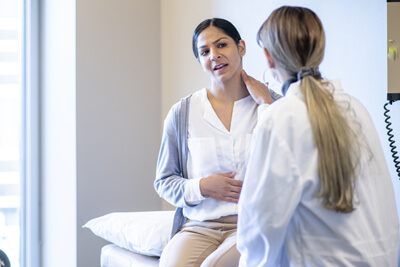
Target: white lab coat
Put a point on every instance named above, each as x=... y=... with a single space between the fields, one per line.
x=282 y=223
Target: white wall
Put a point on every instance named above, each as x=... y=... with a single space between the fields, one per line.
x=58 y=133
x=101 y=130
x=355 y=50
x=118 y=112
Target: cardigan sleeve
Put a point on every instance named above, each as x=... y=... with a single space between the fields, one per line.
x=170 y=183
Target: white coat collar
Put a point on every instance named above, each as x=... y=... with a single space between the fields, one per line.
x=294 y=88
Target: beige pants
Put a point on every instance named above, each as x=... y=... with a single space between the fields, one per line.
x=207 y=244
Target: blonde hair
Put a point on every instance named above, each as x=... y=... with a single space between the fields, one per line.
x=295 y=39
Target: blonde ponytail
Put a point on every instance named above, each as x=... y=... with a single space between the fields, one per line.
x=295 y=39
x=336 y=144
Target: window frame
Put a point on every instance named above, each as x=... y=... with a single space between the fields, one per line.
x=30 y=245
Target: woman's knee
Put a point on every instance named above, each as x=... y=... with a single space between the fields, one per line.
x=223 y=258
x=186 y=250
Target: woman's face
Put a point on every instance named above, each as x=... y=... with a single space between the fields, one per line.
x=219 y=55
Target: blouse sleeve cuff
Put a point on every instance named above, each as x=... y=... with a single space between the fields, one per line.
x=192 y=192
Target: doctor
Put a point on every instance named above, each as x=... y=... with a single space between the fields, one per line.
x=317 y=190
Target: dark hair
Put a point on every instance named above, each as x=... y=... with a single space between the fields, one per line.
x=221 y=24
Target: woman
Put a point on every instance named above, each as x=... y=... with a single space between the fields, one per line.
x=204 y=151
x=317 y=191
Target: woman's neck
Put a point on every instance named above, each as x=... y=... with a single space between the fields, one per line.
x=229 y=91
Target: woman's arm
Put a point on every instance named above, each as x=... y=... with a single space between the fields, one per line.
x=170 y=183
x=259 y=91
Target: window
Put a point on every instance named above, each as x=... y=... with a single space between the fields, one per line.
x=19 y=210
x=10 y=127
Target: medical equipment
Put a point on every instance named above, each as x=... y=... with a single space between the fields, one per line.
x=393 y=94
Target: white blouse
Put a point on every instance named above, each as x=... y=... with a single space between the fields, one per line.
x=282 y=223
x=213 y=149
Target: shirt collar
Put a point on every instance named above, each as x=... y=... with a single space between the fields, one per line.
x=294 y=88
x=287 y=83
x=211 y=117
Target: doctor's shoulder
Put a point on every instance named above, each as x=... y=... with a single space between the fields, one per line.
x=286 y=110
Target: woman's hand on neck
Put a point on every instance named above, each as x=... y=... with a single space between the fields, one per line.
x=258 y=90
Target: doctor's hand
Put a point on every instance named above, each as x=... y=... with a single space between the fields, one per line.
x=221 y=186
x=258 y=90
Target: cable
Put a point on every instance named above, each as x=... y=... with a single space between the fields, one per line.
x=390 y=139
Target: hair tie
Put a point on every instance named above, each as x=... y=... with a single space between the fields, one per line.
x=314 y=72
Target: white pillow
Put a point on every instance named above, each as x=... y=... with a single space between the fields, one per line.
x=145 y=232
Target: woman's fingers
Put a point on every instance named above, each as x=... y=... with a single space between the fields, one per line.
x=229 y=174
x=258 y=90
x=221 y=187
x=245 y=77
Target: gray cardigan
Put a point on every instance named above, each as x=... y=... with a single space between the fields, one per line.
x=171 y=174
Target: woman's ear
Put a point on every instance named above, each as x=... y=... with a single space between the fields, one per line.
x=242 y=48
x=270 y=60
